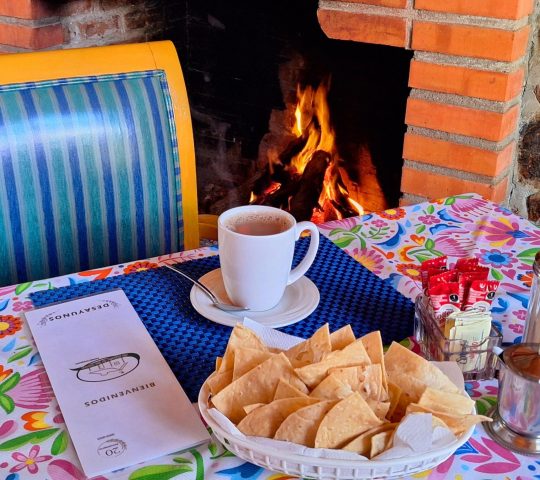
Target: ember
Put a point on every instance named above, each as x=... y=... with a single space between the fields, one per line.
x=305 y=178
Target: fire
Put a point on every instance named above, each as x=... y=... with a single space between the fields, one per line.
x=313 y=120
x=312 y=157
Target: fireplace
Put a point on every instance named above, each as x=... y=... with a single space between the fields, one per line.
x=465 y=106
x=244 y=97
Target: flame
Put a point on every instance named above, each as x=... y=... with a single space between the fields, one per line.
x=313 y=120
x=312 y=116
x=313 y=128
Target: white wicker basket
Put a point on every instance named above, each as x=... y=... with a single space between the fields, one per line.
x=324 y=468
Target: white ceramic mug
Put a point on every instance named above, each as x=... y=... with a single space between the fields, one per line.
x=256 y=248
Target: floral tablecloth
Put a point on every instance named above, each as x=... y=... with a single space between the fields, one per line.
x=34 y=442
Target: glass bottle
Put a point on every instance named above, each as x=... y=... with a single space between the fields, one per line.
x=532 y=323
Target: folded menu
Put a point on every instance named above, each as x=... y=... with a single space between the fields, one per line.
x=120 y=400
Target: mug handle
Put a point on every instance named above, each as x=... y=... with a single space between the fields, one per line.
x=306 y=262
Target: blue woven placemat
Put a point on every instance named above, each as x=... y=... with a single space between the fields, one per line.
x=350 y=293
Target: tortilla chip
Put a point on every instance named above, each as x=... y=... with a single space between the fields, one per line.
x=218 y=362
x=342 y=337
x=458 y=424
x=380 y=442
x=264 y=421
x=394 y=392
x=411 y=391
x=311 y=350
x=331 y=389
x=370 y=383
x=240 y=337
x=379 y=408
x=401 y=363
x=345 y=421
x=362 y=443
x=373 y=345
x=374 y=348
x=348 y=375
x=367 y=380
x=453 y=403
x=437 y=422
x=351 y=355
x=249 y=408
x=286 y=390
x=218 y=381
x=247 y=358
x=256 y=386
x=301 y=426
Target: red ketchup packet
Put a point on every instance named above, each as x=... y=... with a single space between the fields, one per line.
x=426 y=275
x=431 y=267
x=466 y=264
x=445 y=298
x=466 y=278
x=447 y=276
x=481 y=294
x=438 y=262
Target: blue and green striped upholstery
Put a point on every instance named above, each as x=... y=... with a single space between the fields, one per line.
x=89 y=174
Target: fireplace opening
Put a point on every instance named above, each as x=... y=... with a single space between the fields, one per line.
x=263 y=75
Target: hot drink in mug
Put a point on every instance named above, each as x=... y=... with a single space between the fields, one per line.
x=256 y=247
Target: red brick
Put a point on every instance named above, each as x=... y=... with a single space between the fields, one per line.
x=443 y=153
x=470 y=41
x=484 y=124
x=383 y=3
x=465 y=81
x=32 y=38
x=383 y=30
x=405 y=201
x=434 y=185
x=27 y=9
x=511 y=9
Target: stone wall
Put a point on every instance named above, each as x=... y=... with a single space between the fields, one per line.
x=524 y=195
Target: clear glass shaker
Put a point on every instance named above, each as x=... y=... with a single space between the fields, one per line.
x=532 y=323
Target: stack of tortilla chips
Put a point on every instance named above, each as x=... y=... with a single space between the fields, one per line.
x=332 y=390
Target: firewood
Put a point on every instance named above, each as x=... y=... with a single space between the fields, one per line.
x=311 y=185
x=294 y=147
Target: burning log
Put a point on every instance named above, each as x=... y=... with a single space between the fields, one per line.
x=278 y=172
x=294 y=147
x=340 y=200
x=305 y=178
x=311 y=184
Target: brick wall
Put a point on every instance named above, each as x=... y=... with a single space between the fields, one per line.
x=27 y=25
x=466 y=79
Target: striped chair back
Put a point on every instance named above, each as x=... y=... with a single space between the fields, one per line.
x=89 y=174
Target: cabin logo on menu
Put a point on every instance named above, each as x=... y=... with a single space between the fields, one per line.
x=107 y=368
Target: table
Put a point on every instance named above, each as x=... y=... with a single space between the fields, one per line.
x=33 y=439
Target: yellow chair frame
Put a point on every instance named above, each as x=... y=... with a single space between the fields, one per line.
x=52 y=65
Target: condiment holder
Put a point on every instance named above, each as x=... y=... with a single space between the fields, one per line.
x=477 y=361
x=516 y=417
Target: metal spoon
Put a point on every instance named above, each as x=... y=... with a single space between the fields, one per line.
x=222 y=306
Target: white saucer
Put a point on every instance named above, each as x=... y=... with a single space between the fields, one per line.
x=299 y=300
